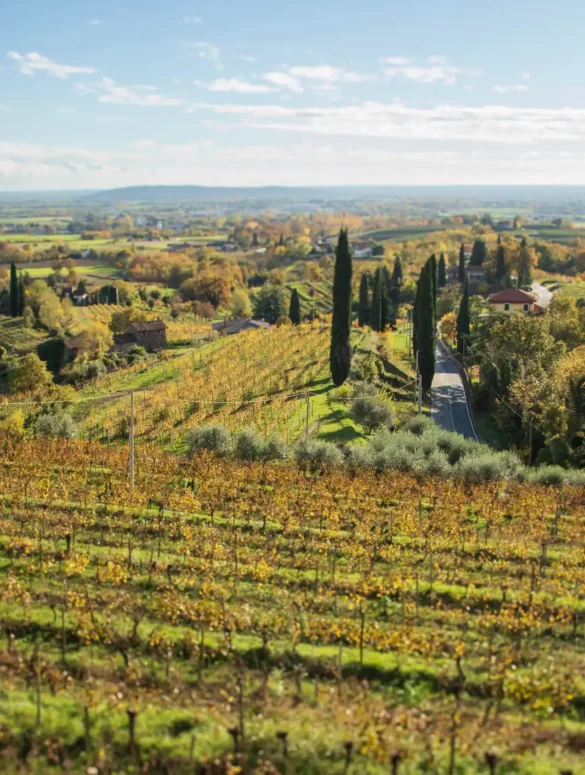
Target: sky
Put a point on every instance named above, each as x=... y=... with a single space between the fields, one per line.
x=266 y=92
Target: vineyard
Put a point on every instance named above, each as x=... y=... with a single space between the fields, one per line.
x=249 y=380
x=259 y=618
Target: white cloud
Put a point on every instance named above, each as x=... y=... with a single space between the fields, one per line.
x=94 y=22
x=525 y=76
x=235 y=85
x=206 y=51
x=284 y=80
x=192 y=20
x=32 y=63
x=489 y=123
x=436 y=69
x=145 y=96
x=29 y=165
x=327 y=74
x=247 y=58
x=505 y=89
x=396 y=61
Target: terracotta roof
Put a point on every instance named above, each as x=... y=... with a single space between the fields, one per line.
x=512 y=296
x=141 y=326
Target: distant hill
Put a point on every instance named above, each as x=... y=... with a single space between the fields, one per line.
x=210 y=193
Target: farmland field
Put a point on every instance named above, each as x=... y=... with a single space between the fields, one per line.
x=257 y=618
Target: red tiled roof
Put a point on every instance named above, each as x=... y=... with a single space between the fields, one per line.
x=512 y=296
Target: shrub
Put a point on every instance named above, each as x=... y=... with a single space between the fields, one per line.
x=56 y=425
x=13 y=425
x=249 y=446
x=368 y=410
x=548 y=475
x=210 y=437
x=95 y=369
x=485 y=467
x=317 y=455
x=275 y=449
x=419 y=425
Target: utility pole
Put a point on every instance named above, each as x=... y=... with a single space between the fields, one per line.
x=307 y=417
x=132 y=441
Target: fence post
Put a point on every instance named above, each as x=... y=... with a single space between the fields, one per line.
x=307 y=417
x=132 y=441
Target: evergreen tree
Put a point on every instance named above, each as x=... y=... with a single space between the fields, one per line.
x=427 y=323
x=479 y=253
x=21 y=296
x=433 y=276
x=294 y=310
x=13 y=291
x=500 y=260
x=376 y=316
x=397 y=273
x=415 y=316
x=364 y=302
x=524 y=267
x=442 y=272
x=462 y=263
x=388 y=313
x=340 y=355
x=281 y=241
x=463 y=320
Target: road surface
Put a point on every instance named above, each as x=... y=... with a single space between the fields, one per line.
x=448 y=399
x=543 y=294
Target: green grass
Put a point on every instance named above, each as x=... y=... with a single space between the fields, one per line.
x=15 y=336
x=574 y=290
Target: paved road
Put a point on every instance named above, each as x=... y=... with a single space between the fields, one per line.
x=544 y=295
x=448 y=399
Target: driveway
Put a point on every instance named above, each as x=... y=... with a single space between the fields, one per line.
x=544 y=295
x=449 y=408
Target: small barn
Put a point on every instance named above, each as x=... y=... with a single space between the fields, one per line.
x=150 y=334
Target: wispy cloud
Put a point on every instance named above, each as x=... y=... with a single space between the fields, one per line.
x=144 y=96
x=284 y=81
x=247 y=58
x=505 y=89
x=32 y=63
x=192 y=20
x=489 y=123
x=206 y=50
x=235 y=85
x=94 y=22
x=435 y=69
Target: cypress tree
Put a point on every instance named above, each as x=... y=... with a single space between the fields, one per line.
x=376 y=311
x=427 y=324
x=21 y=296
x=479 y=253
x=397 y=273
x=13 y=291
x=433 y=277
x=340 y=355
x=364 y=302
x=415 y=316
x=500 y=260
x=462 y=263
x=294 y=310
x=388 y=316
x=442 y=272
x=463 y=320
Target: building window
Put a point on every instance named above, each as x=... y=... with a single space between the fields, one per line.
x=506 y=307
x=526 y=308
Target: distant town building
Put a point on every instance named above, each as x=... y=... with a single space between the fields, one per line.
x=476 y=275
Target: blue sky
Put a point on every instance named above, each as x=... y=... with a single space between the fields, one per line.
x=124 y=92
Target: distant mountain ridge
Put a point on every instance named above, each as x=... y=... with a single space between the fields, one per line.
x=208 y=193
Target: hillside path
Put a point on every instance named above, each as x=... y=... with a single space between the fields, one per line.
x=449 y=407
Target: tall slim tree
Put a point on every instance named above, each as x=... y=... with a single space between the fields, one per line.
x=524 y=267
x=479 y=253
x=433 y=276
x=388 y=309
x=397 y=273
x=13 y=291
x=364 y=301
x=442 y=272
x=427 y=324
x=340 y=355
x=21 y=296
x=500 y=260
x=462 y=263
x=294 y=310
x=463 y=320
x=376 y=315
